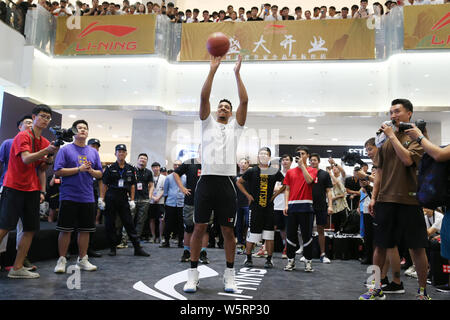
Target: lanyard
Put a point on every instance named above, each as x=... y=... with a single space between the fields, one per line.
x=156 y=183
x=121 y=172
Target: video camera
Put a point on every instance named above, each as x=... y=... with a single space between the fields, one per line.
x=351 y=158
x=420 y=123
x=63 y=135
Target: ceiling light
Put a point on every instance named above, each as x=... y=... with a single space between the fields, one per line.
x=73 y=116
x=310 y=128
x=312 y=120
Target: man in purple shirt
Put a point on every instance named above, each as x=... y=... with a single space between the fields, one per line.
x=76 y=164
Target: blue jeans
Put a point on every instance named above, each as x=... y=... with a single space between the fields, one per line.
x=241 y=224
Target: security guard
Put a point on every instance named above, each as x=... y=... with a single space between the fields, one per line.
x=119 y=181
x=94 y=143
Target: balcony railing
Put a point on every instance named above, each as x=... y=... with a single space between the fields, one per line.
x=40 y=31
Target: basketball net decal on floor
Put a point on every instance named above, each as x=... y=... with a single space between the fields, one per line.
x=167 y=284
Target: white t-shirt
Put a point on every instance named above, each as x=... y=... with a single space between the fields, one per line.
x=278 y=202
x=158 y=190
x=219 y=146
x=436 y=222
x=272 y=18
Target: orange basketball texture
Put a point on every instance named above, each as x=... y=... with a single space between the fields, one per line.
x=218 y=44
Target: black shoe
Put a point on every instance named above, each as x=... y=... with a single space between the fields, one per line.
x=248 y=263
x=186 y=256
x=384 y=282
x=268 y=264
x=112 y=252
x=94 y=254
x=140 y=252
x=203 y=257
x=165 y=244
x=220 y=245
x=394 y=288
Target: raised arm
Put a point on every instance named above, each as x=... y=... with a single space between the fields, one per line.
x=241 y=113
x=205 y=106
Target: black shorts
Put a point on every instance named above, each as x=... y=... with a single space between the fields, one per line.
x=321 y=217
x=156 y=211
x=398 y=224
x=76 y=216
x=261 y=219
x=17 y=204
x=280 y=220
x=218 y=194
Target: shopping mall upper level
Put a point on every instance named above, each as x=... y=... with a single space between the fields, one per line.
x=146 y=62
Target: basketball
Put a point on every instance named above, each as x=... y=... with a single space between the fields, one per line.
x=218 y=44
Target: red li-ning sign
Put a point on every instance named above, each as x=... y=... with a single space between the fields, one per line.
x=108 y=46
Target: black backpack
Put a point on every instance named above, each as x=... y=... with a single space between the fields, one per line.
x=433 y=183
x=351 y=224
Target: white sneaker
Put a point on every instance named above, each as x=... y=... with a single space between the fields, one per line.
x=308 y=266
x=84 y=264
x=192 y=282
x=61 y=265
x=290 y=265
x=228 y=281
x=410 y=271
x=303 y=259
x=22 y=273
x=324 y=259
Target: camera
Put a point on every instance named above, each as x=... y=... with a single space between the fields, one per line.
x=350 y=159
x=420 y=123
x=63 y=135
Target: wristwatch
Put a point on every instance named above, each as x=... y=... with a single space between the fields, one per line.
x=419 y=139
x=43 y=192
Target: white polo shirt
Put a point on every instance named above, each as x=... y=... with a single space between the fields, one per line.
x=219 y=146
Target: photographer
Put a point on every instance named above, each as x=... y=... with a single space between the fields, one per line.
x=398 y=218
x=77 y=164
x=23 y=189
x=440 y=155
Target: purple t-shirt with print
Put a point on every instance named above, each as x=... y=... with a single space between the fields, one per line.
x=78 y=187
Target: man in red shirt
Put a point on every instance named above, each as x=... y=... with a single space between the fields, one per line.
x=24 y=186
x=299 y=208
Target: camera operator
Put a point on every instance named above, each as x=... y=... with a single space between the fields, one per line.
x=25 y=123
x=76 y=164
x=398 y=218
x=23 y=189
x=440 y=155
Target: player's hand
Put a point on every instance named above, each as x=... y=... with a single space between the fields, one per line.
x=42 y=198
x=85 y=167
x=285 y=211
x=215 y=62
x=330 y=210
x=237 y=67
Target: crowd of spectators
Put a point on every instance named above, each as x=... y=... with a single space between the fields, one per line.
x=266 y=12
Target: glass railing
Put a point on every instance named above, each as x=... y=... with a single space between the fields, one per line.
x=40 y=32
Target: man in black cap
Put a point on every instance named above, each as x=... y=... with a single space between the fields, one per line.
x=95 y=143
x=118 y=190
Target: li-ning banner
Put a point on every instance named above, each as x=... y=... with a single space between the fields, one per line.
x=93 y=35
x=284 y=40
x=427 y=27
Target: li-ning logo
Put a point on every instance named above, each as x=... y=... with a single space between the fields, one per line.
x=115 y=30
x=275 y=29
x=439 y=25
